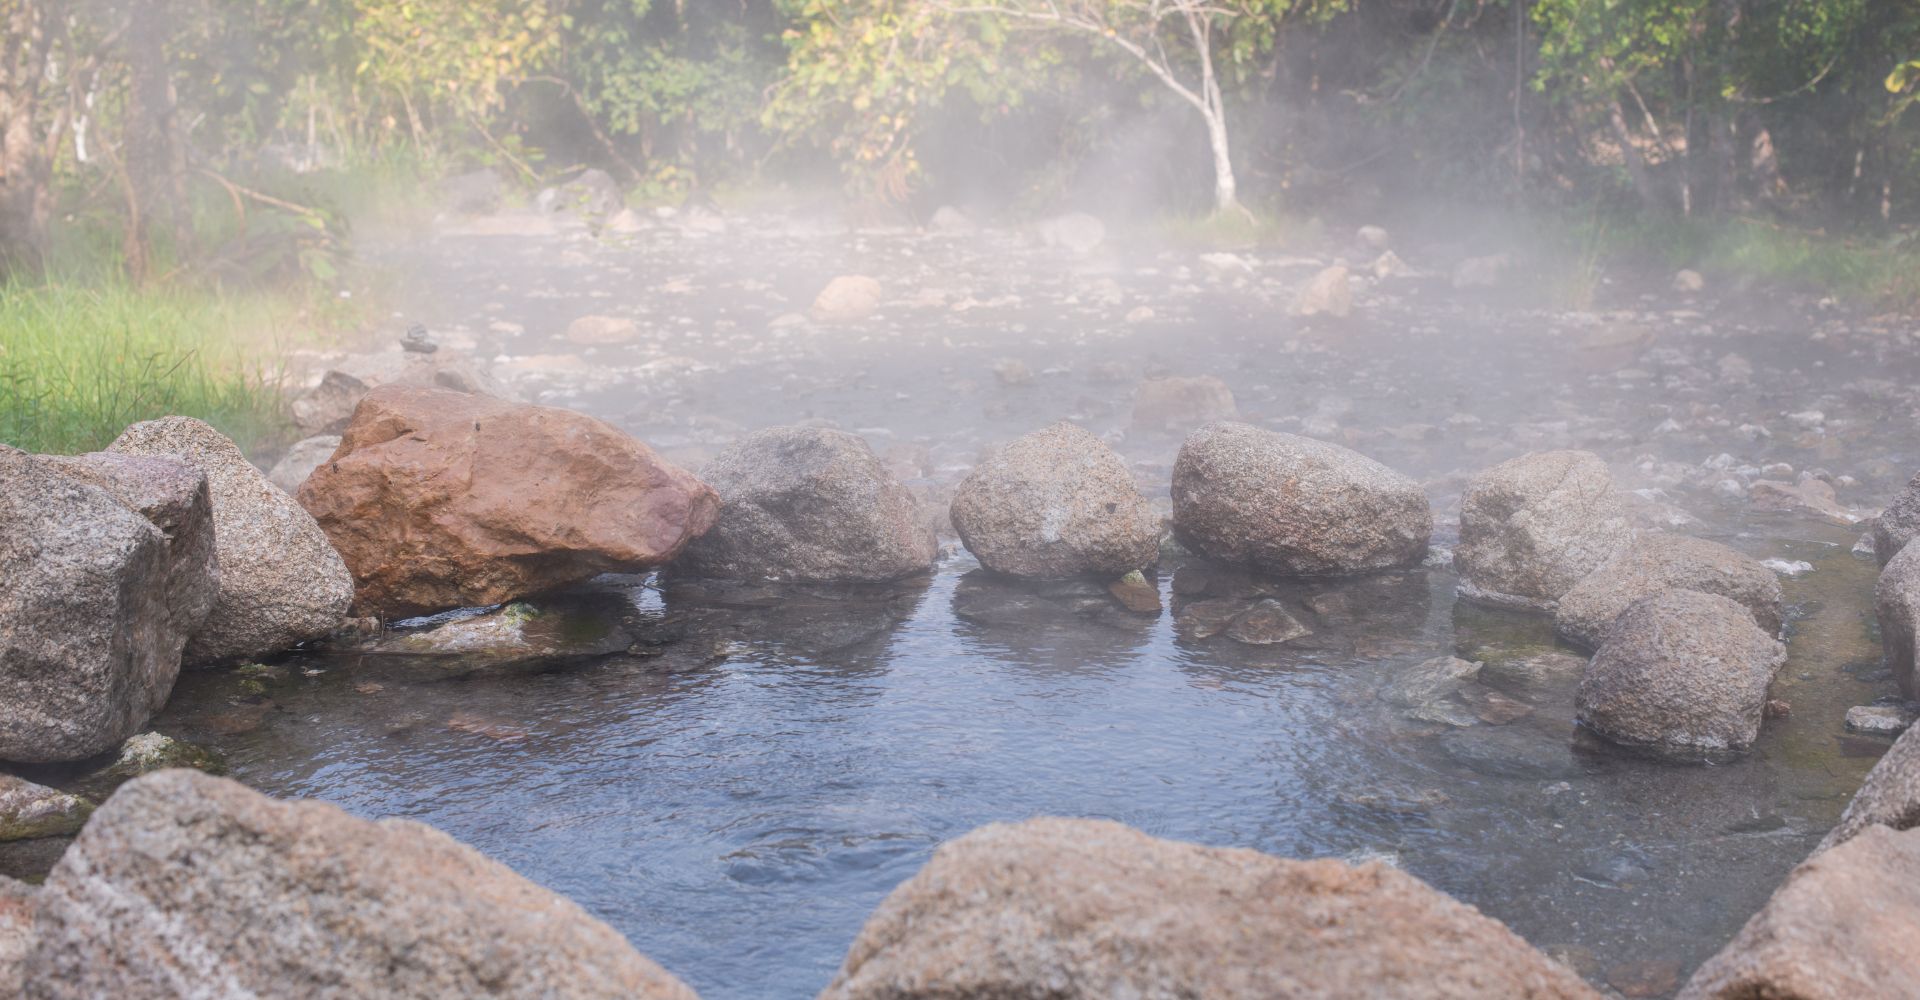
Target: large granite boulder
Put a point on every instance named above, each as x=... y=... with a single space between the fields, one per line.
x=1896 y=603
x=440 y=499
x=281 y=583
x=186 y=884
x=1533 y=527
x=1054 y=504
x=1898 y=524
x=1844 y=925
x=1088 y=910
x=1680 y=671
x=89 y=642
x=1293 y=505
x=1890 y=796
x=1658 y=561
x=807 y=504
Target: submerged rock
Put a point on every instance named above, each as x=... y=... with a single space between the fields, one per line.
x=1053 y=504
x=847 y=299
x=1533 y=527
x=1165 y=405
x=1266 y=623
x=300 y=461
x=441 y=500
x=1890 y=795
x=1680 y=671
x=1657 y=561
x=800 y=503
x=1294 y=506
x=515 y=639
x=1808 y=496
x=1898 y=523
x=1088 y=910
x=1844 y=924
x=281 y=582
x=183 y=880
x=1896 y=603
x=1879 y=720
x=29 y=811
x=89 y=643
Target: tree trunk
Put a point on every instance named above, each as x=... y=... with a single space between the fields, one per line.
x=26 y=174
x=1636 y=167
x=154 y=162
x=1226 y=194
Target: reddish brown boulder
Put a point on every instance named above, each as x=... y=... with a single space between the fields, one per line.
x=440 y=499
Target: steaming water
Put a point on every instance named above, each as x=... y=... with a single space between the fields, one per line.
x=737 y=800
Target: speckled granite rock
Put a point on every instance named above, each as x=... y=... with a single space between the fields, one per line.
x=1657 y=561
x=1054 y=504
x=1533 y=527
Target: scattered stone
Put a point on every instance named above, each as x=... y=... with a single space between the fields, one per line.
x=1012 y=371
x=1293 y=505
x=1085 y=909
x=1680 y=671
x=800 y=503
x=1165 y=405
x=1879 y=720
x=1657 y=561
x=89 y=642
x=1890 y=795
x=1136 y=593
x=1688 y=282
x=1329 y=293
x=1787 y=567
x=1844 y=924
x=1533 y=527
x=1898 y=523
x=593 y=196
x=1808 y=496
x=1389 y=265
x=281 y=582
x=327 y=407
x=849 y=298
x=182 y=878
x=1075 y=231
x=1424 y=683
x=1373 y=237
x=589 y=331
x=1896 y=603
x=300 y=461
x=1266 y=623
x=1053 y=504
x=29 y=811
x=1537 y=675
x=1777 y=708
x=440 y=500
x=519 y=638
x=1481 y=272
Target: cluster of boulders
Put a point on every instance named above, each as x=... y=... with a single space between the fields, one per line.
x=185 y=883
x=1684 y=630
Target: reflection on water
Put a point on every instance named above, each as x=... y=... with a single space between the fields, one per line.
x=740 y=790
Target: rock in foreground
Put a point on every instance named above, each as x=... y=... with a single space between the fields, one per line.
x=281 y=583
x=1293 y=505
x=1680 y=671
x=1845 y=924
x=1054 y=504
x=1533 y=527
x=1658 y=561
x=89 y=647
x=440 y=499
x=188 y=884
x=806 y=504
x=1896 y=603
x=1088 y=910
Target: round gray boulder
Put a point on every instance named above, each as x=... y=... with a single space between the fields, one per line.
x=1680 y=671
x=1658 y=561
x=806 y=504
x=1293 y=505
x=1533 y=527
x=281 y=582
x=1054 y=504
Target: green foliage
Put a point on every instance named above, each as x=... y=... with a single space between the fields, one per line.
x=80 y=363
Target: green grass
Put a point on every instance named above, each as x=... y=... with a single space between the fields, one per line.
x=1253 y=228
x=79 y=362
x=1864 y=270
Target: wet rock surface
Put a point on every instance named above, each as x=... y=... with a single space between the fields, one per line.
x=439 y=500
x=1896 y=603
x=1680 y=671
x=807 y=504
x=1889 y=797
x=29 y=811
x=281 y=582
x=553 y=634
x=1533 y=527
x=1053 y=504
x=181 y=877
x=1844 y=924
x=1294 y=506
x=1086 y=908
x=1657 y=561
